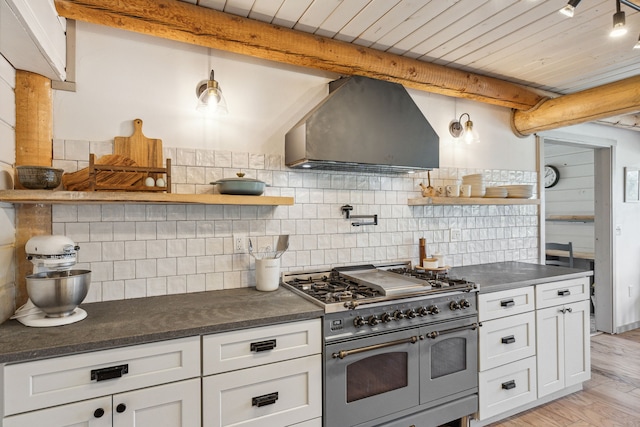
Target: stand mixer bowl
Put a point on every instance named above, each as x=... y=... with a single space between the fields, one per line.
x=58 y=293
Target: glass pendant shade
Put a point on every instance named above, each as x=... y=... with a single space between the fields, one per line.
x=210 y=98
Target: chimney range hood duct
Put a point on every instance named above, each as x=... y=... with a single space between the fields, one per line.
x=364 y=125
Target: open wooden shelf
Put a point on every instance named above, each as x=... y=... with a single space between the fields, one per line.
x=421 y=201
x=570 y=218
x=99 y=197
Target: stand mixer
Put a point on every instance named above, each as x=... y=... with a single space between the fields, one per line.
x=54 y=289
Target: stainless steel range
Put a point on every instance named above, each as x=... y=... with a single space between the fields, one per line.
x=400 y=344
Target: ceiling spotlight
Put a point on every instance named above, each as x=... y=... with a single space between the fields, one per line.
x=210 y=98
x=619 y=28
x=466 y=133
x=570 y=8
x=637 y=45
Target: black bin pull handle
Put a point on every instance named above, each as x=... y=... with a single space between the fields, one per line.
x=263 y=345
x=109 y=373
x=564 y=292
x=509 y=385
x=507 y=303
x=264 y=400
x=510 y=339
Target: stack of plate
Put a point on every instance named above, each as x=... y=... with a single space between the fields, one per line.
x=496 y=192
x=476 y=181
x=519 y=191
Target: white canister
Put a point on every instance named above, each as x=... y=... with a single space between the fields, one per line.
x=267 y=274
x=438 y=256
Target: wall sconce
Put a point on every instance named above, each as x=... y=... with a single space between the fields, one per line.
x=466 y=133
x=210 y=98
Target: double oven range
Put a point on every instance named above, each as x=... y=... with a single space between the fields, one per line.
x=400 y=344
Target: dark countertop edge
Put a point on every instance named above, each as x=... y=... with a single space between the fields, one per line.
x=521 y=284
x=67 y=350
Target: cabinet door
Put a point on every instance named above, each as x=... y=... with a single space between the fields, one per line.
x=577 y=343
x=174 y=405
x=550 y=350
x=90 y=413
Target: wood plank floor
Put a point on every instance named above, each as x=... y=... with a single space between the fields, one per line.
x=611 y=398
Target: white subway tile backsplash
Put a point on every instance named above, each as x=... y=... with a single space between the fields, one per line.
x=139 y=250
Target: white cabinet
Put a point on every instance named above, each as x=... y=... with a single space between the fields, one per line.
x=142 y=385
x=176 y=405
x=506 y=346
x=563 y=346
x=270 y=375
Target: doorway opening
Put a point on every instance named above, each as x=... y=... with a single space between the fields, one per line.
x=578 y=208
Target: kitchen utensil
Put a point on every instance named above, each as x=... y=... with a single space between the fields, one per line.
x=240 y=185
x=251 y=249
x=142 y=150
x=282 y=245
x=58 y=293
x=422 y=246
x=452 y=190
x=39 y=177
x=79 y=180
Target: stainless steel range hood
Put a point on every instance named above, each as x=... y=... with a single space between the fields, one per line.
x=364 y=125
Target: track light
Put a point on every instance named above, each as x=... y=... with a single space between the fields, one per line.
x=466 y=133
x=637 y=45
x=570 y=8
x=619 y=28
x=210 y=98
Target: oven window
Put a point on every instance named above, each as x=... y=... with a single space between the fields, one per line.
x=376 y=375
x=448 y=356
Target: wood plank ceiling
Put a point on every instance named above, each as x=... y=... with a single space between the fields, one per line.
x=502 y=42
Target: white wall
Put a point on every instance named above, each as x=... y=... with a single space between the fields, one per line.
x=572 y=195
x=7 y=212
x=122 y=76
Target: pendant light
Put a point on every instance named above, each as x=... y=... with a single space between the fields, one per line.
x=210 y=98
x=619 y=28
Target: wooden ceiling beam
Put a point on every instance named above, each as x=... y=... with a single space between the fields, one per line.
x=593 y=104
x=185 y=22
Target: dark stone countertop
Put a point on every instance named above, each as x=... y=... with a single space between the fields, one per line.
x=142 y=320
x=501 y=276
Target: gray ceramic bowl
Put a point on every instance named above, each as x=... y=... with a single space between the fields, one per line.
x=39 y=177
x=58 y=293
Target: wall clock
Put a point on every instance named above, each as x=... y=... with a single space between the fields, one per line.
x=551 y=176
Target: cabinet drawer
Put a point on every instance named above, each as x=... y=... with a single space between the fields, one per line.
x=229 y=351
x=505 y=303
x=73 y=414
x=507 y=387
x=563 y=292
x=506 y=340
x=278 y=394
x=50 y=382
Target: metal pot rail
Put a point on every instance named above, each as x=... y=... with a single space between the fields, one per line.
x=344 y=353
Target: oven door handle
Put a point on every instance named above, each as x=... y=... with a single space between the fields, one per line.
x=344 y=353
x=435 y=334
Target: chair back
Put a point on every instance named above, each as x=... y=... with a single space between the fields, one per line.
x=566 y=247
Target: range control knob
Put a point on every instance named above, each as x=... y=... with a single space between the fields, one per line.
x=358 y=322
x=373 y=320
x=464 y=304
x=386 y=317
x=433 y=309
x=423 y=311
x=454 y=305
x=410 y=313
x=398 y=315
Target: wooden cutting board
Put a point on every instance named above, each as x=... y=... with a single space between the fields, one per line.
x=137 y=147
